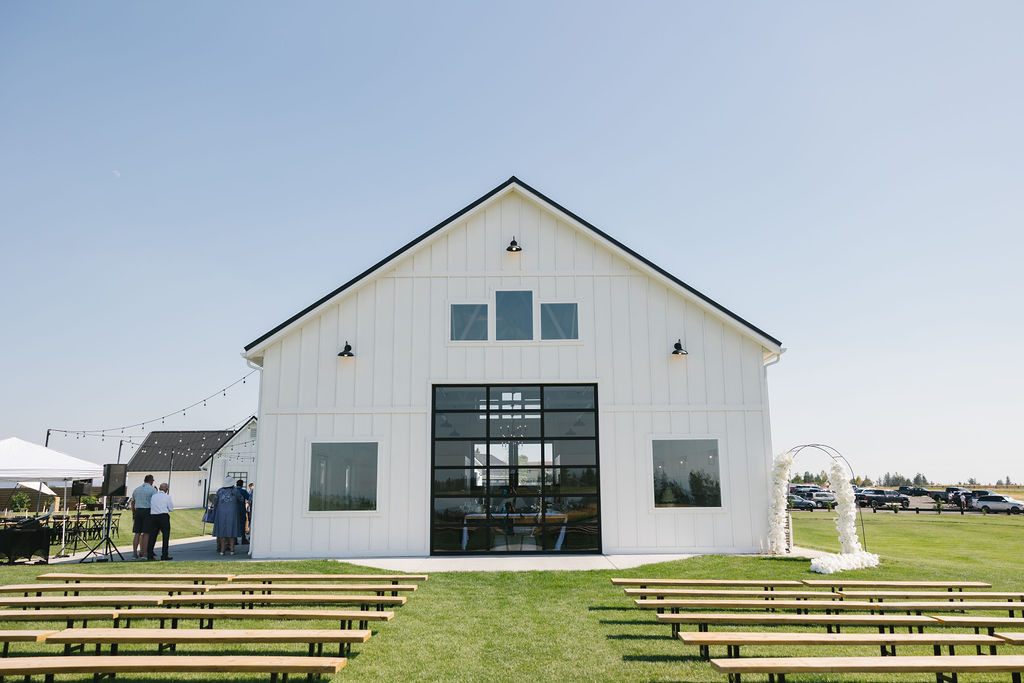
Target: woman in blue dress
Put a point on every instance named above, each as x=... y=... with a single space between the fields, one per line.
x=228 y=525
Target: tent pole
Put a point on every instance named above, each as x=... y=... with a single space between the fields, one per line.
x=64 y=524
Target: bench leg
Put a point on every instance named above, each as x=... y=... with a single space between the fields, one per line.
x=1015 y=677
x=7 y=646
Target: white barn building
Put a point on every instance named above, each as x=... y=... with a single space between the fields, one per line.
x=465 y=397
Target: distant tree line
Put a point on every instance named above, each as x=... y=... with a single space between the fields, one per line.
x=887 y=479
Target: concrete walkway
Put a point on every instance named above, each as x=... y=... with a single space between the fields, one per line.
x=204 y=549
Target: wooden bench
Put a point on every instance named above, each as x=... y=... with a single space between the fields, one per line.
x=80 y=577
x=1011 y=638
x=206 y=616
x=69 y=616
x=265 y=588
x=933 y=595
x=365 y=601
x=115 y=601
x=778 y=667
x=77 y=638
x=22 y=636
x=990 y=624
x=66 y=588
x=271 y=578
x=730 y=593
x=48 y=667
x=767 y=584
x=886 y=641
x=839 y=584
x=826 y=606
x=830 y=621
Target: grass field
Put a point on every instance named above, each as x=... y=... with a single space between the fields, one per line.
x=574 y=626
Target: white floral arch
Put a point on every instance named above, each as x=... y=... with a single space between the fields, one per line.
x=851 y=554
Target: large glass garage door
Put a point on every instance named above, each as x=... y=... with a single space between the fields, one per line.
x=515 y=469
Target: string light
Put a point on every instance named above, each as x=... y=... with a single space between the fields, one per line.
x=83 y=433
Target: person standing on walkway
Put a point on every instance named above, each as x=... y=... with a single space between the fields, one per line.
x=140 y=503
x=160 y=522
x=240 y=485
x=228 y=525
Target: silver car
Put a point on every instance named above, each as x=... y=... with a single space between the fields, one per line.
x=999 y=503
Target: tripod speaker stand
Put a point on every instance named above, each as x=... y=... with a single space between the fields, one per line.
x=113 y=485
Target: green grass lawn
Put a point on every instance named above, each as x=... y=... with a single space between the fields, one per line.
x=512 y=626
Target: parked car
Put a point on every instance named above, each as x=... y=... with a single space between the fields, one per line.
x=999 y=503
x=805 y=490
x=944 y=495
x=822 y=499
x=914 y=491
x=798 y=503
x=975 y=495
x=877 y=498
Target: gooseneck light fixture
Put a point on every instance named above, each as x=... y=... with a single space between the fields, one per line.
x=513 y=246
x=678 y=350
x=347 y=351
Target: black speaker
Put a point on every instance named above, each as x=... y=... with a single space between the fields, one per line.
x=78 y=487
x=114 y=480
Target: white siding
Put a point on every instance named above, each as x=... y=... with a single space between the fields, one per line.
x=397 y=323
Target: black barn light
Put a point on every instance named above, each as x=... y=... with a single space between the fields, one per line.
x=347 y=351
x=679 y=350
x=513 y=246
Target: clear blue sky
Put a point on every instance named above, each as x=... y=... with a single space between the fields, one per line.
x=178 y=178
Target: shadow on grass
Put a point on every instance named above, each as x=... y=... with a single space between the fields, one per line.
x=638 y=636
x=660 y=658
x=605 y=608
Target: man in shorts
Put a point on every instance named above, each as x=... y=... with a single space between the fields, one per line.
x=140 y=502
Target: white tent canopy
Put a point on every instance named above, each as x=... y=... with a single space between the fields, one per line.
x=24 y=461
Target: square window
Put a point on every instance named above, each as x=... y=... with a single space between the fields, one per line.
x=469 y=322
x=559 y=321
x=343 y=476
x=686 y=473
x=513 y=316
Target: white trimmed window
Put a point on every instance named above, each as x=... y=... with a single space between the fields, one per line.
x=686 y=473
x=343 y=476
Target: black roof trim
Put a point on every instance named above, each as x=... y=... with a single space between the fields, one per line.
x=470 y=207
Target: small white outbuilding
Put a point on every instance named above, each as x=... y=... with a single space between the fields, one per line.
x=514 y=380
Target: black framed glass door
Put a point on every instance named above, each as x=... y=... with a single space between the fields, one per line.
x=515 y=469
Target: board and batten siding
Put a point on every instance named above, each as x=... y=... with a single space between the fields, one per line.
x=398 y=324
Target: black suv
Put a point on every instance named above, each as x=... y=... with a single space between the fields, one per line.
x=878 y=498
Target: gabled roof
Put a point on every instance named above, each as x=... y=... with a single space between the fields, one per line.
x=459 y=214
x=184 y=451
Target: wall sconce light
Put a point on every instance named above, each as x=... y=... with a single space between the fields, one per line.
x=347 y=351
x=679 y=350
x=513 y=246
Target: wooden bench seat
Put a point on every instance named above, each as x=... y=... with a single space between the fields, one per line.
x=731 y=593
x=933 y=595
x=767 y=584
x=70 y=616
x=886 y=641
x=839 y=584
x=48 y=667
x=284 y=599
x=830 y=621
x=378 y=588
x=22 y=636
x=34 y=602
x=206 y=616
x=169 y=639
x=1011 y=638
x=370 y=578
x=65 y=588
x=72 y=577
x=917 y=607
x=778 y=667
